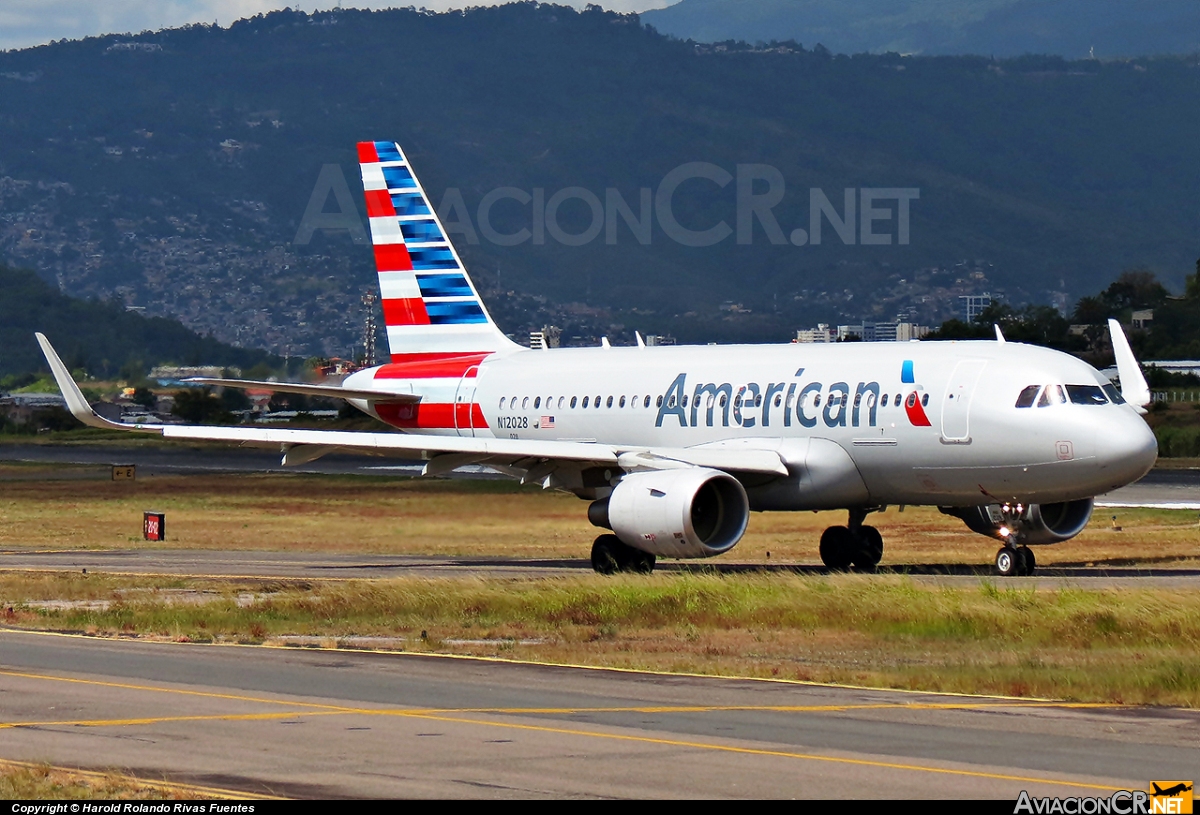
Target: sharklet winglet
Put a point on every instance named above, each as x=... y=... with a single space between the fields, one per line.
x=76 y=402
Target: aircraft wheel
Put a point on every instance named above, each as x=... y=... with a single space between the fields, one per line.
x=1027 y=561
x=1008 y=562
x=606 y=554
x=641 y=562
x=837 y=548
x=870 y=548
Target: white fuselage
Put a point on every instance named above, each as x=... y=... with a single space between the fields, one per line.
x=922 y=423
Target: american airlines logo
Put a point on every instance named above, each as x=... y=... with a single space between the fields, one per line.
x=577 y=216
x=784 y=404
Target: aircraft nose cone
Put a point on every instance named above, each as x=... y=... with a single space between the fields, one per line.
x=1127 y=450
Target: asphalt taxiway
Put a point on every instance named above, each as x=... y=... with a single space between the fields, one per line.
x=311 y=723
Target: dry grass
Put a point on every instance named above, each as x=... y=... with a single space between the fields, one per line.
x=476 y=518
x=1131 y=646
x=30 y=782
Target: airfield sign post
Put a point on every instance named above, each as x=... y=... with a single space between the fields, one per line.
x=154 y=526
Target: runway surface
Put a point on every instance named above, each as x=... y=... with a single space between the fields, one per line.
x=310 y=723
x=337 y=566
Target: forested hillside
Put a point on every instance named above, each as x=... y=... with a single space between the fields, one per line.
x=999 y=28
x=172 y=170
x=102 y=338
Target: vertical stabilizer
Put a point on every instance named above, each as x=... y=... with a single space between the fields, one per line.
x=430 y=306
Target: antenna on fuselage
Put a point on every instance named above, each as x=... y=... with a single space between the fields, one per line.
x=604 y=342
x=999 y=333
x=640 y=342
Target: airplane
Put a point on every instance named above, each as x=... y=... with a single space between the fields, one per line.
x=1172 y=791
x=674 y=447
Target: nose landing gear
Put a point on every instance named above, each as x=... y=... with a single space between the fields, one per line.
x=1015 y=561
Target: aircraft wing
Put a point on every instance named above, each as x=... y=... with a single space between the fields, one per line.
x=529 y=459
x=328 y=391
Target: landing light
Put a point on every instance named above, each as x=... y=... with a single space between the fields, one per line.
x=1005 y=532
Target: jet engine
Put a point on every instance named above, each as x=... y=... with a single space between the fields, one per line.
x=1033 y=524
x=683 y=513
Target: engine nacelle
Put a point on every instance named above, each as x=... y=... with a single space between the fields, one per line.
x=1037 y=523
x=684 y=513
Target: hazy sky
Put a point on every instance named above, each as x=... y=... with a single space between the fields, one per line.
x=24 y=23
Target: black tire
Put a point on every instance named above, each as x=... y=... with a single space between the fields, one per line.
x=1028 y=561
x=641 y=562
x=870 y=548
x=1008 y=562
x=837 y=548
x=606 y=554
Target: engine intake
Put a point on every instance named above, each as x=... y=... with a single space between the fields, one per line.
x=684 y=513
x=1037 y=524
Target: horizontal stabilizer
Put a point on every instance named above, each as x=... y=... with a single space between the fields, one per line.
x=327 y=391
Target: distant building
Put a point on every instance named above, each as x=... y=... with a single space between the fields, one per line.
x=819 y=334
x=974 y=304
x=1143 y=317
x=867 y=332
x=22 y=408
x=174 y=374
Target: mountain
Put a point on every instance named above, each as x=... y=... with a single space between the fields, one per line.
x=178 y=171
x=1000 y=28
x=100 y=337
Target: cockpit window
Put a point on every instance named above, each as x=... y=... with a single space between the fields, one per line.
x=1113 y=393
x=1052 y=395
x=1086 y=395
x=1028 y=395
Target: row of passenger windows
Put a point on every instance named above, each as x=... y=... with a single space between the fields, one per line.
x=619 y=401
x=1047 y=395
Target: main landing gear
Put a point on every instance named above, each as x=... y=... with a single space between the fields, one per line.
x=1015 y=561
x=610 y=555
x=854 y=544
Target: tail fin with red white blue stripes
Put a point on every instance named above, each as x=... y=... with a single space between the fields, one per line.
x=430 y=306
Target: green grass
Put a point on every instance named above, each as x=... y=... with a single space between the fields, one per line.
x=1132 y=646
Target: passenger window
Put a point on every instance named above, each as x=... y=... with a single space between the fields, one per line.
x=925 y=400
x=573 y=401
x=658 y=401
x=622 y=404
x=537 y=403
x=684 y=402
x=816 y=400
x=1028 y=396
x=585 y=401
x=778 y=400
x=597 y=402
x=647 y=402
x=609 y=403
x=502 y=400
x=525 y=403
